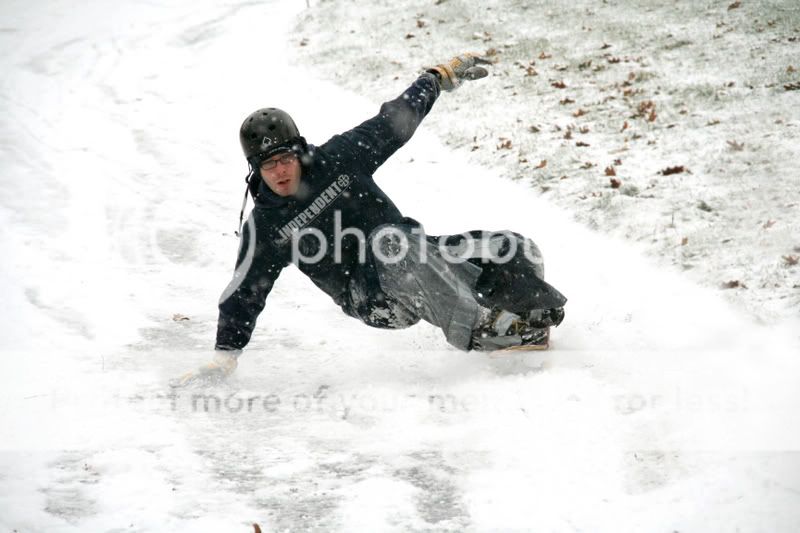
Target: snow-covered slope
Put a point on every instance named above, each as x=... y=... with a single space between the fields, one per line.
x=670 y=124
x=659 y=408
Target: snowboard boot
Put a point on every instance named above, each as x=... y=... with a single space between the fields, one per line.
x=501 y=330
x=544 y=318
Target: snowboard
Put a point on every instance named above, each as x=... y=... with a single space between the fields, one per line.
x=541 y=346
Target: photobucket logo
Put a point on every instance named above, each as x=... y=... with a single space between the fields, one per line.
x=391 y=244
x=388 y=244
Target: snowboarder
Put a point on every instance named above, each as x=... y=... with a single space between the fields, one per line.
x=319 y=208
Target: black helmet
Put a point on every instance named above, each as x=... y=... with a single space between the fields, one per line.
x=268 y=131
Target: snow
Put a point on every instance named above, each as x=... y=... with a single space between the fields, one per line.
x=663 y=406
x=716 y=77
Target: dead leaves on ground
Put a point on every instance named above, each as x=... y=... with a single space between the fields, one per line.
x=790 y=260
x=702 y=205
x=505 y=144
x=734 y=284
x=527 y=67
x=735 y=146
x=646 y=109
x=673 y=170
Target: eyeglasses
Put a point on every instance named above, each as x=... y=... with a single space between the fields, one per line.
x=285 y=159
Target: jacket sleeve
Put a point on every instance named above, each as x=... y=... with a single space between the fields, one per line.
x=371 y=143
x=257 y=267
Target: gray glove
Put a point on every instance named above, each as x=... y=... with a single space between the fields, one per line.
x=221 y=366
x=460 y=68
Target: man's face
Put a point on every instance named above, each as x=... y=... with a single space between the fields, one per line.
x=281 y=173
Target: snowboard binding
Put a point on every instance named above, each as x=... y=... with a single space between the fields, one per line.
x=502 y=330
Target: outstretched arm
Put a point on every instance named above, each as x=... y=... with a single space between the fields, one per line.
x=372 y=142
x=257 y=268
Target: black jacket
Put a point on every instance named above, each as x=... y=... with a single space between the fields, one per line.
x=336 y=178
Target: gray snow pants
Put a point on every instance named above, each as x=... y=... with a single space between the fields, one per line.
x=447 y=281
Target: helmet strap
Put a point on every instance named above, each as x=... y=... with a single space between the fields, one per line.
x=244 y=200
